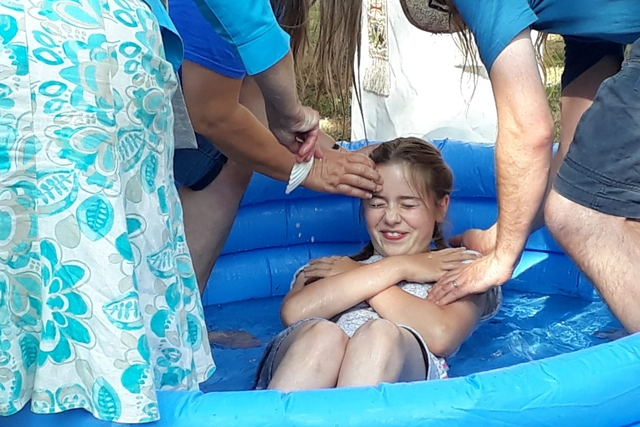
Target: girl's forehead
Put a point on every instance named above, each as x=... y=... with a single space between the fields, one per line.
x=398 y=178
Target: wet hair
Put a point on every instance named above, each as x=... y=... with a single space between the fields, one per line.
x=430 y=173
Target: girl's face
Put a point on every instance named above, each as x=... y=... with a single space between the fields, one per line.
x=399 y=219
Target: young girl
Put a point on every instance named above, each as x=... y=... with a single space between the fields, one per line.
x=365 y=320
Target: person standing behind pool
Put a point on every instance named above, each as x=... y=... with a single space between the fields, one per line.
x=593 y=208
x=364 y=320
x=227 y=110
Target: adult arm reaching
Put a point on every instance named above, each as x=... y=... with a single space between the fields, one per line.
x=523 y=155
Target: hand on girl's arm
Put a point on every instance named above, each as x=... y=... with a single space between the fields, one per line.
x=330 y=266
x=431 y=266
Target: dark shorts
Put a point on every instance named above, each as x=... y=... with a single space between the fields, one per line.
x=197 y=168
x=582 y=54
x=602 y=168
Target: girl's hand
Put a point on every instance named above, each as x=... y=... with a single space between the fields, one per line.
x=330 y=266
x=432 y=266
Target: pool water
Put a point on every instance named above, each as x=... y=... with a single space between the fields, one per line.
x=528 y=327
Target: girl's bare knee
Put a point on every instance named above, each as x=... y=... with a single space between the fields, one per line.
x=323 y=334
x=380 y=334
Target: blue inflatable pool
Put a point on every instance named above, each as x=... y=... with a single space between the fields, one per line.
x=545 y=360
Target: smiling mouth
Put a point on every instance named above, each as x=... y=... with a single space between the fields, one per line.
x=393 y=235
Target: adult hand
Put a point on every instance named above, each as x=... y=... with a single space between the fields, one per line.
x=476 y=278
x=298 y=133
x=431 y=266
x=330 y=266
x=483 y=241
x=295 y=126
x=344 y=172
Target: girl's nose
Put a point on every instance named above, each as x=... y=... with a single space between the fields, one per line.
x=391 y=215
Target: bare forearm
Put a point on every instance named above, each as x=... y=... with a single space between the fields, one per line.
x=278 y=86
x=333 y=295
x=444 y=329
x=242 y=138
x=402 y=308
x=522 y=171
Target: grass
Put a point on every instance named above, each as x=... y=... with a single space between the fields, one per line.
x=335 y=112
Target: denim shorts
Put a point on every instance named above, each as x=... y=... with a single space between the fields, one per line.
x=602 y=168
x=197 y=168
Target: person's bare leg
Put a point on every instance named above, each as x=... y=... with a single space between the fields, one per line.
x=607 y=250
x=378 y=352
x=310 y=357
x=209 y=215
x=575 y=99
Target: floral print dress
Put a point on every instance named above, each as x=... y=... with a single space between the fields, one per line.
x=99 y=305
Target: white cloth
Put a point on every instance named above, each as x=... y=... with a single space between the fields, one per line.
x=430 y=95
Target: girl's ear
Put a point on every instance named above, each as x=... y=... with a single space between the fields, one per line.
x=442 y=206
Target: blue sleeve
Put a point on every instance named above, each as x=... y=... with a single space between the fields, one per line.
x=251 y=27
x=202 y=45
x=494 y=23
x=170 y=38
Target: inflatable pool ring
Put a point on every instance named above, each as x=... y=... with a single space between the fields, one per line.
x=275 y=234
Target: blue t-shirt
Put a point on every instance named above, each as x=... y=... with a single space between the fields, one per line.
x=202 y=45
x=494 y=23
x=251 y=28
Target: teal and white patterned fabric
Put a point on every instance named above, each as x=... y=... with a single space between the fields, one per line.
x=99 y=305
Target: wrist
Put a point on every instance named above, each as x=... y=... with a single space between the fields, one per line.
x=394 y=268
x=507 y=255
x=299 y=174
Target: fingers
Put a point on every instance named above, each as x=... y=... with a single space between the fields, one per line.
x=461 y=255
x=444 y=286
x=353 y=184
x=453 y=265
x=308 y=131
x=452 y=294
x=323 y=260
x=345 y=173
x=348 y=190
x=309 y=147
x=318 y=270
x=362 y=166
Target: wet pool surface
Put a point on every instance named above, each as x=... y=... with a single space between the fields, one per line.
x=528 y=327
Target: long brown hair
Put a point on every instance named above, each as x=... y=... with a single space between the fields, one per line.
x=294 y=18
x=332 y=43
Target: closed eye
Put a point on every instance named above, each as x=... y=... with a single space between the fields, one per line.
x=376 y=203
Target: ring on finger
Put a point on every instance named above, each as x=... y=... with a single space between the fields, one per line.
x=455 y=284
